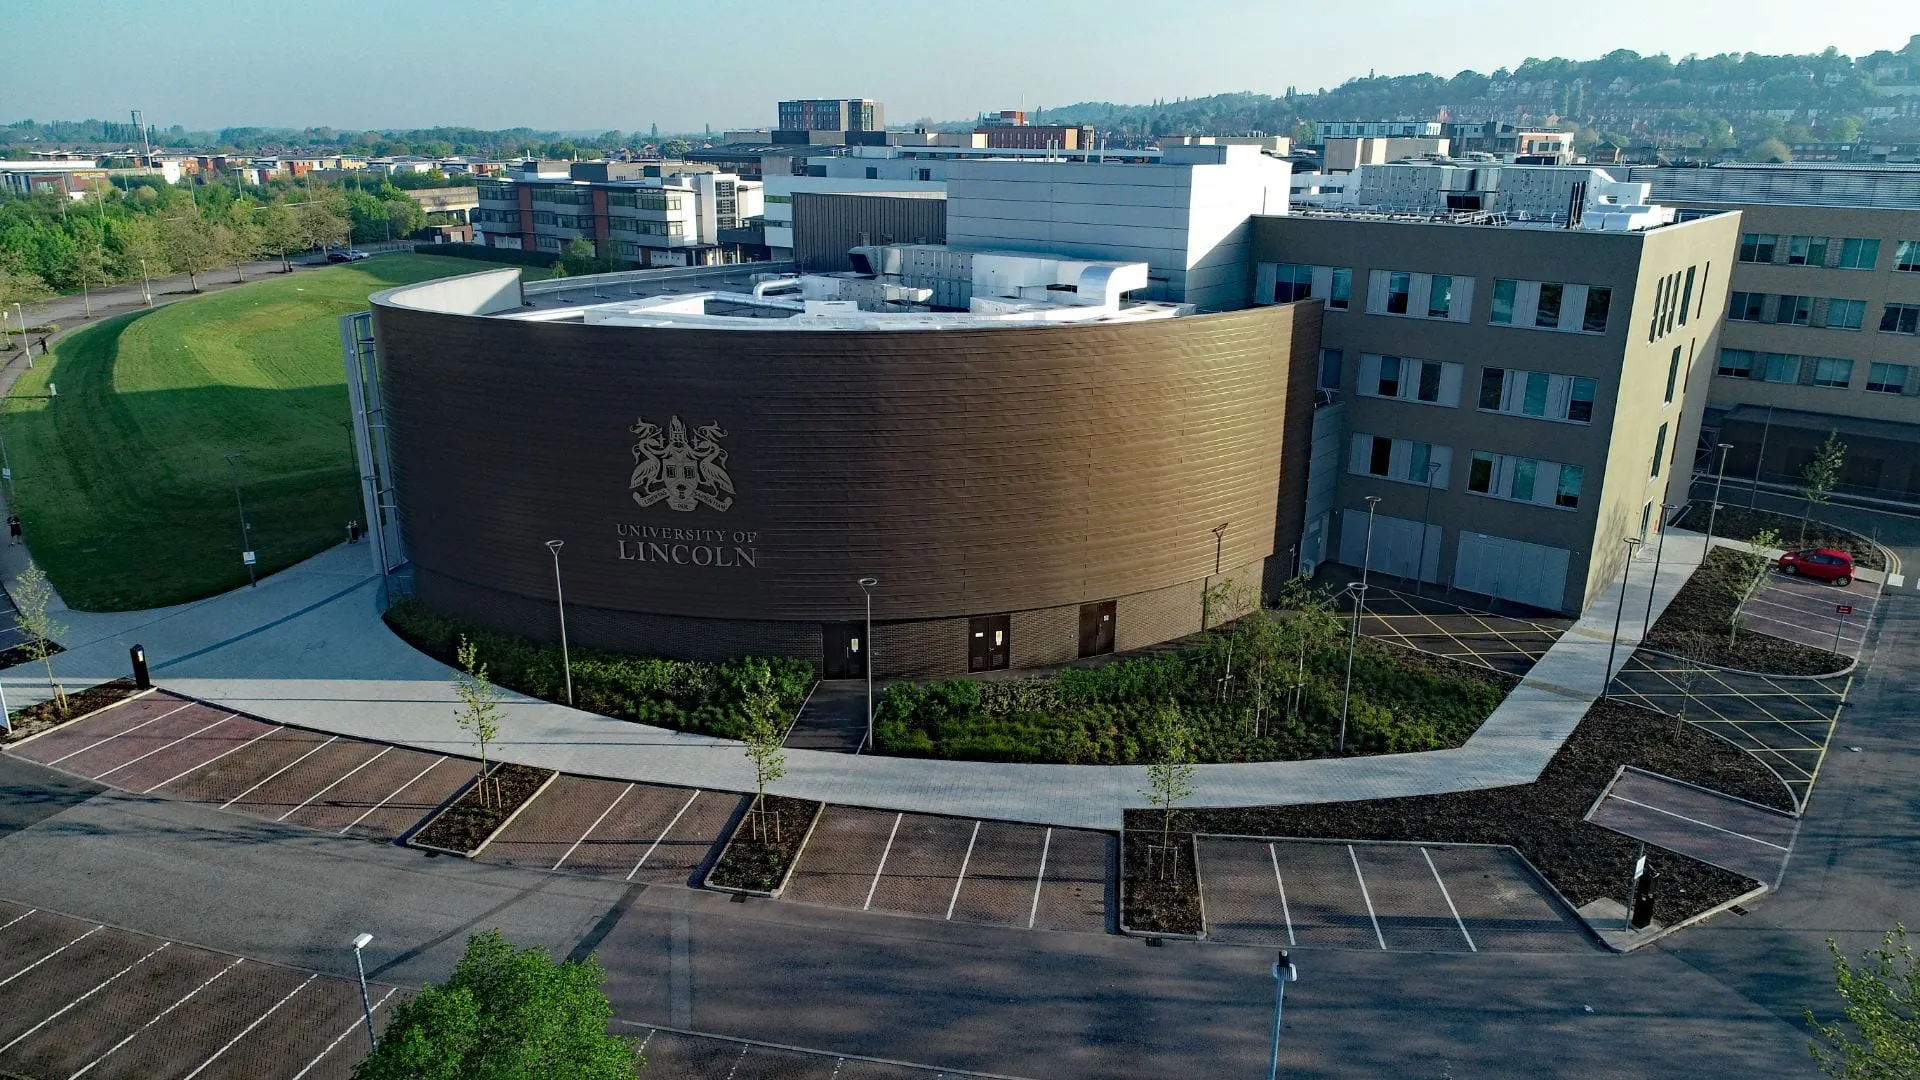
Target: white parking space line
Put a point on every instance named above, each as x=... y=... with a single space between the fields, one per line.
x=16 y=918
x=957 y=882
x=76 y=1002
x=882 y=868
x=1367 y=896
x=157 y=1017
x=169 y=746
x=331 y=739
x=1040 y=879
x=590 y=828
x=664 y=833
x=1273 y=853
x=396 y=793
x=1457 y=920
x=230 y=750
x=340 y=1038
x=335 y=784
x=50 y=955
x=1693 y=821
x=245 y=1031
x=117 y=734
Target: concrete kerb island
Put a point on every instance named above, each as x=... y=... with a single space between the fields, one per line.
x=308 y=648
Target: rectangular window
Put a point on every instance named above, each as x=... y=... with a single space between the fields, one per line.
x=1418 y=463
x=1794 y=311
x=1757 y=247
x=1429 y=389
x=1782 y=368
x=1380 y=463
x=1831 y=371
x=1493 y=382
x=1735 y=363
x=1686 y=296
x=1858 y=254
x=1535 y=401
x=1440 y=297
x=1745 y=306
x=1292 y=281
x=1673 y=373
x=1331 y=361
x=1342 y=288
x=1846 y=314
x=1480 y=473
x=1887 y=379
x=1906 y=256
x=1389 y=377
x=1580 y=401
x=1548 y=312
x=1599 y=299
x=1659 y=449
x=1900 y=319
x=1523 y=474
x=1567 y=493
x=1398 y=288
x=1503 y=292
x=1798 y=248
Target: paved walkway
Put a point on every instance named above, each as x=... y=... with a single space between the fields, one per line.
x=307 y=648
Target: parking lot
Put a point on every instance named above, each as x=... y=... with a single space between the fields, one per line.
x=1508 y=643
x=1730 y=833
x=1786 y=723
x=78 y=998
x=1805 y=611
x=683 y=1055
x=1380 y=896
x=632 y=832
x=994 y=872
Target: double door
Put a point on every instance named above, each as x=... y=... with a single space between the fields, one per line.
x=989 y=642
x=844 y=650
x=1096 y=628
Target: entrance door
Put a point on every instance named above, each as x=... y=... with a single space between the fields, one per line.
x=1096 y=628
x=989 y=642
x=844 y=650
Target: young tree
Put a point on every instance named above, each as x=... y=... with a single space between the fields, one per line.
x=763 y=737
x=1170 y=776
x=87 y=263
x=279 y=233
x=1749 y=569
x=1820 y=476
x=578 y=258
x=320 y=227
x=506 y=1013
x=193 y=245
x=141 y=253
x=32 y=594
x=19 y=286
x=242 y=239
x=1881 y=1037
x=479 y=708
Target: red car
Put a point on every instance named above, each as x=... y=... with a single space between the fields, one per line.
x=1821 y=564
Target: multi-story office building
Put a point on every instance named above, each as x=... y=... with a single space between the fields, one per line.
x=1823 y=320
x=1518 y=398
x=832 y=114
x=1379 y=129
x=647 y=221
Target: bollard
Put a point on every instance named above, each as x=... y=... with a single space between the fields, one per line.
x=141 y=679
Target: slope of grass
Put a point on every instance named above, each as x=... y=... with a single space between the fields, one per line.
x=120 y=479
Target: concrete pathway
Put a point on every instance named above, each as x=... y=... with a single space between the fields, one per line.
x=307 y=647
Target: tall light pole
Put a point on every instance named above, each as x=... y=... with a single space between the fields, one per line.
x=146 y=284
x=1606 y=677
x=1283 y=973
x=1426 y=514
x=1718 y=479
x=25 y=347
x=246 y=530
x=560 y=601
x=866 y=590
x=6 y=466
x=1359 y=590
x=366 y=1001
x=1659 y=549
x=1366 y=556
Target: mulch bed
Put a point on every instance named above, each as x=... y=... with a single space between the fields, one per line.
x=23 y=654
x=1740 y=523
x=760 y=864
x=1695 y=626
x=1161 y=898
x=40 y=716
x=466 y=824
x=1543 y=819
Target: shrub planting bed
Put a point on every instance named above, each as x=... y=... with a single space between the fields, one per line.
x=23 y=654
x=1265 y=688
x=42 y=715
x=1162 y=890
x=468 y=821
x=1543 y=819
x=1741 y=523
x=684 y=695
x=759 y=863
x=1697 y=625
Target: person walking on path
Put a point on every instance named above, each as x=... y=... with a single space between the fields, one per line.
x=43 y=345
x=13 y=529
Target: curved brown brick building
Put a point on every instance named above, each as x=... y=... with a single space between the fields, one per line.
x=1050 y=489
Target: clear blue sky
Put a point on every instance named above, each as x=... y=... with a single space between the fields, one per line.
x=597 y=64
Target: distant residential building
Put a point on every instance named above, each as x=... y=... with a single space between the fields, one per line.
x=832 y=114
x=1378 y=129
x=642 y=220
x=1506 y=140
x=1342 y=154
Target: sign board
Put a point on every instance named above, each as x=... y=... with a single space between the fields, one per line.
x=247 y=557
x=6 y=474
x=1843 y=609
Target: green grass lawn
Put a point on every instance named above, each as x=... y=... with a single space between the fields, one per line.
x=120 y=481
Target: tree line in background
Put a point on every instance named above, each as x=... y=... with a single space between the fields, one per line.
x=507 y=144
x=117 y=232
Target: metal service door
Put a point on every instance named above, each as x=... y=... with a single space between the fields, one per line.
x=989 y=642
x=1096 y=628
x=843 y=650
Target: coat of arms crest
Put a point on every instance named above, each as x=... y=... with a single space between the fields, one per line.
x=684 y=472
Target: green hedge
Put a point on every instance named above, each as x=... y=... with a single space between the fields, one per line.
x=685 y=695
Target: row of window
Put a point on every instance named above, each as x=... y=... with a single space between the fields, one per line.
x=508 y=217
x=645 y=200
x=1420 y=296
x=1542 y=305
x=1406 y=379
x=563 y=221
x=1833 y=252
x=1832 y=313
x=1671 y=299
x=1549 y=305
x=493 y=189
x=1500 y=476
x=1538 y=394
x=646 y=228
x=564 y=196
x=1793 y=369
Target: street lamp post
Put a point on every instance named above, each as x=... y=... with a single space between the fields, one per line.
x=866 y=590
x=1359 y=591
x=246 y=530
x=1366 y=556
x=1283 y=973
x=1718 y=479
x=1658 y=550
x=1426 y=514
x=146 y=284
x=1606 y=677
x=560 y=601
x=6 y=466
x=366 y=1001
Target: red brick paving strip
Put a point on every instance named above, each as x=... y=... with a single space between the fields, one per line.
x=342 y=1054
x=353 y=796
x=137 y=743
x=548 y=826
x=37 y=995
x=90 y=1029
x=1408 y=901
x=55 y=745
x=409 y=804
x=235 y=773
x=689 y=843
x=622 y=840
x=924 y=865
x=171 y=762
x=293 y=788
x=1080 y=863
x=838 y=864
x=296 y=1032
x=1002 y=875
x=198 y=1030
x=32 y=938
